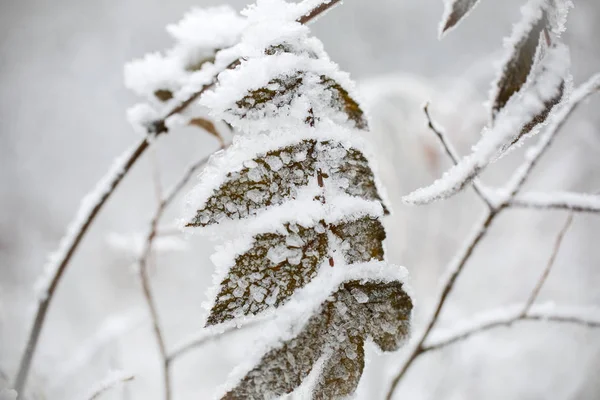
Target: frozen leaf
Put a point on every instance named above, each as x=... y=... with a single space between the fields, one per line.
x=284 y=90
x=361 y=240
x=276 y=176
x=454 y=12
x=546 y=85
x=337 y=331
x=277 y=265
x=522 y=48
x=342 y=370
x=360 y=179
x=341 y=98
x=261 y=184
x=541 y=117
x=270 y=272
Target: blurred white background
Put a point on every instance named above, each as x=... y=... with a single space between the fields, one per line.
x=62 y=122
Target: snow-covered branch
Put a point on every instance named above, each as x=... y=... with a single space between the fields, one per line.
x=576 y=202
x=207 y=336
x=453 y=154
x=505 y=317
x=512 y=189
x=112 y=380
x=93 y=203
x=57 y=264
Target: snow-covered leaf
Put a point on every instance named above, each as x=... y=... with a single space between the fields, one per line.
x=361 y=240
x=277 y=265
x=521 y=47
x=270 y=272
x=539 y=118
x=284 y=90
x=275 y=177
x=455 y=11
x=534 y=102
x=356 y=311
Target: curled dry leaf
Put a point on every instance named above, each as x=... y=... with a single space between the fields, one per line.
x=208 y=126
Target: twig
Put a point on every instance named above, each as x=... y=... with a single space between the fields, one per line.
x=453 y=154
x=526 y=310
x=455 y=269
x=575 y=202
x=56 y=267
x=540 y=284
x=110 y=382
x=514 y=185
x=143 y=269
x=317 y=11
x=86 y=216
x=476 y=327
x=208 y=337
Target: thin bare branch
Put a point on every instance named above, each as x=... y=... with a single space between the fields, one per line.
x=455 y=269
x=205 y=338
x=575 y=202
x=540 y=284
x=143 y=270
x=88 y=211
x=318 y=11
x=109 y=383
x=453 y=154
x=476 y=327
x=87 y=214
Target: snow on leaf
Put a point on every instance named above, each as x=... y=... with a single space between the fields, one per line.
x=361 y=240
x=338 y=330
x=355 y=171
x=546 y=86
x=270 y=272
x=342 y=370
x=282 y=91
x=276 y=265
x=522 y=47
x=539 y=118
x=455 y=11
x=198 y=37
x=276 y=177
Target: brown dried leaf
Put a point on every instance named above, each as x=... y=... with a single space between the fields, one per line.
x=255 y=283
x=541 y=117
x=357 y=311
x=458 y=9
x=163 y=95
x=283 y=90
x=208 y=126
x=254 y=277
x=342 y=370
x=355 y=167
x=361 y=240
x=519 y=66
x=275 y=176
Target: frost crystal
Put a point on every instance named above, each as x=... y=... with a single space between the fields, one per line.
x=339 y=331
